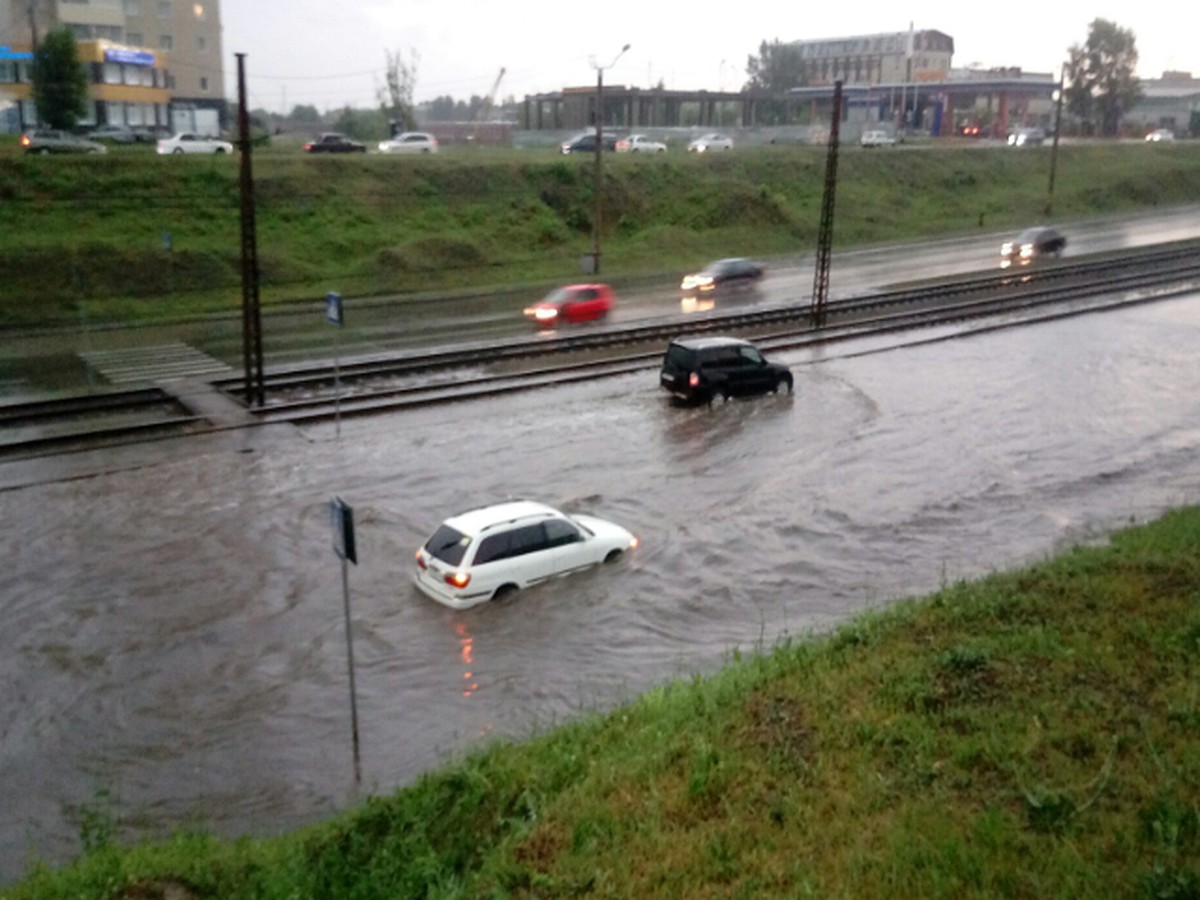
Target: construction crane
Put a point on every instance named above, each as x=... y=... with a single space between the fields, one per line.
x=485 y=111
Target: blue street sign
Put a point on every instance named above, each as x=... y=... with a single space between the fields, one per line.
x=333 y=308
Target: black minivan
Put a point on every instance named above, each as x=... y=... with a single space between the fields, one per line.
x=701 y=369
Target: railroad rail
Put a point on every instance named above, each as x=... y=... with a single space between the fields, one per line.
x=317 y=392
x=370 y=386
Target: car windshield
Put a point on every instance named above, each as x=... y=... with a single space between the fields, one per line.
x=448 y=544
x=1029 y=235
x=558 y=295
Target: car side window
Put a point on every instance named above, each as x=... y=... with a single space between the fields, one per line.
x=559 y=533
x=527 y=539
x=492 y=548
x=752 y=357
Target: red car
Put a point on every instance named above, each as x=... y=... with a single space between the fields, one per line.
x=573 y=303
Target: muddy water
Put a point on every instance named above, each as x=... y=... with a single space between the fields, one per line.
x=173 y=629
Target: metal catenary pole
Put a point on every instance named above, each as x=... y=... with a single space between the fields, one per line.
x=252 y=353
x=825 y=233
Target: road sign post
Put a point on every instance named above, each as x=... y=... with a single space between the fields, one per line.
x=333 y=315
x=342 y=519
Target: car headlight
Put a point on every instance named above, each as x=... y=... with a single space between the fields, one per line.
x=1026 y=251
x=1006 y=248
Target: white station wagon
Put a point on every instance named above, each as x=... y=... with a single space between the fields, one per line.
x=488 y=553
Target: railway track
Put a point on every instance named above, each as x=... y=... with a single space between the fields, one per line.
x=372 y=385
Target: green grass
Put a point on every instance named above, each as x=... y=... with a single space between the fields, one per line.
x=95 y=230
x=1033 y=734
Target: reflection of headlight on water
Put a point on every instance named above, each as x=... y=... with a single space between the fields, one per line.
x=693 y=304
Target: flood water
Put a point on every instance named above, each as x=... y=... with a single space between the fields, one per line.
x=173 y=626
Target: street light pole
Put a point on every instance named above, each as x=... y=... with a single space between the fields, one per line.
x=1062 y=78
x=599 y=149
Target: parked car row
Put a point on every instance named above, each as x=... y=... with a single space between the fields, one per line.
x=640 y=143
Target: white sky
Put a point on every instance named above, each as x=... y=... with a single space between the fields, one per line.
x=334 y=54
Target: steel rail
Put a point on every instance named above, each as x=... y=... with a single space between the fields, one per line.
x=383 y=399
x=314 y=376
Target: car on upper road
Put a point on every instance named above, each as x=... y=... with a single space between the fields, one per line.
x=702 y=369
x=586 y=143
x=639 y=143
x=1030 y=244
x=53 y=140
x=117 y=134
x=410 y=142
x=572 y=303
x=190 y=142
x=733 y=271
x=1026 y=137
x=492 y=552
x=1160 y=134
x=877 y=138
x=707 y=143
x=333 y=142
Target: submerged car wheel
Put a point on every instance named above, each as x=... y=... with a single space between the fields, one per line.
x=505 y=590
x=613 y=556
x=783 y=382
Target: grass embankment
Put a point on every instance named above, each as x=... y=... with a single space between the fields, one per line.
x=137 y=236
x=1034 y=734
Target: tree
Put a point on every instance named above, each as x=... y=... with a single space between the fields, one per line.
x=777 y=69
x=305 y=113
x=396 y=97
x=1101 y=80
x=60 y=83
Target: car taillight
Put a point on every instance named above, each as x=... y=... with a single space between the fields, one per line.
x=694 y=379
x=421 y=559
x=458 y=579
x=25 y=140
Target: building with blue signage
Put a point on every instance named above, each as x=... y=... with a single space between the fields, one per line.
x=127 y=86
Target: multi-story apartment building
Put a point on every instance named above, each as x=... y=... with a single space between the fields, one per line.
x=171 y=45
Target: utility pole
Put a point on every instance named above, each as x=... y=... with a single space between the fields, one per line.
x=252 y=354
x=825 y=233
x=596 y=182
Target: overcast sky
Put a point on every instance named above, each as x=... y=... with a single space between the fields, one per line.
x=332 y=54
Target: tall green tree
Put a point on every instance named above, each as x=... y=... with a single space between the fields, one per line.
x=1101 y=80
x=60 y=83
x=776 y=70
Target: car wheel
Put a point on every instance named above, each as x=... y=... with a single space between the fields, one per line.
x=505 y=590
x=612 y=556
x=719 y=394
x=783 y=382
x=177 y=151
x=45 y=151
x=219 y=150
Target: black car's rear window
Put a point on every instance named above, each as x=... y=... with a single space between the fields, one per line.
x=679 y=356
x=448 y=545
